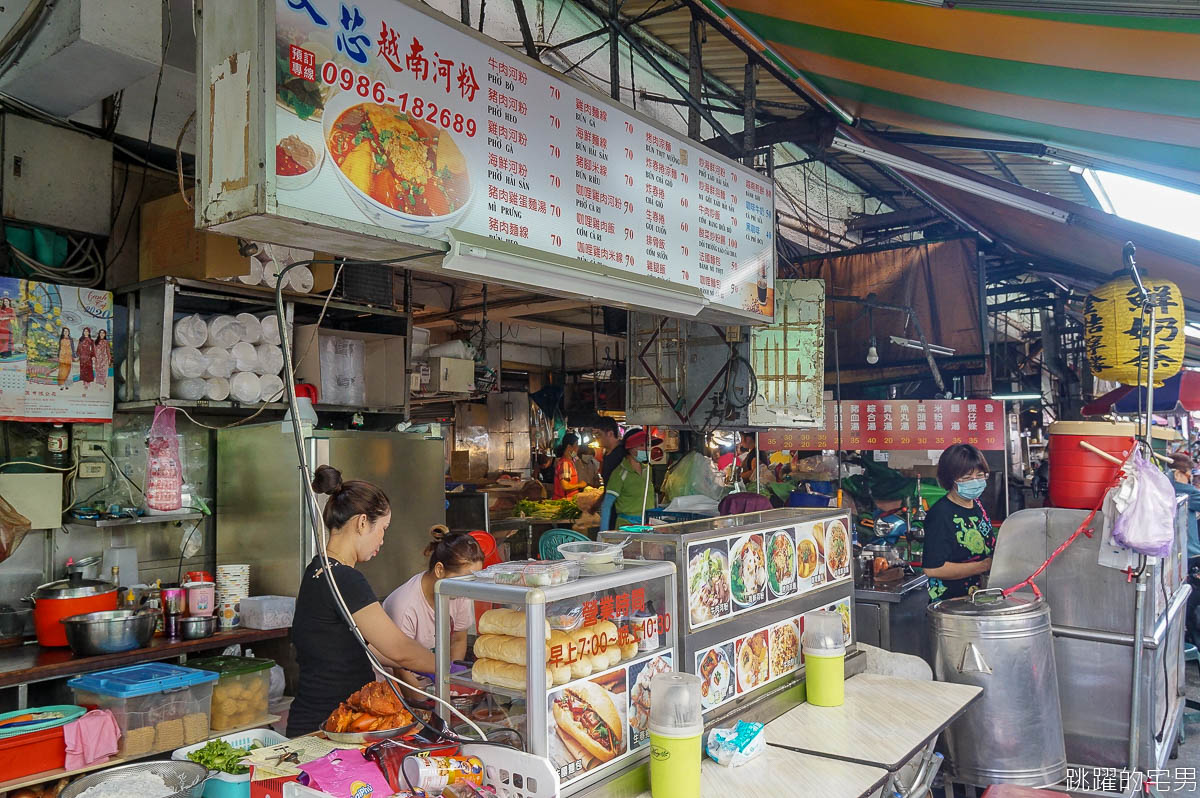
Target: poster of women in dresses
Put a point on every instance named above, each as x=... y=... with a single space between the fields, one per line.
x=64 y=371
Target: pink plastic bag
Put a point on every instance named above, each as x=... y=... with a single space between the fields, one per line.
x=164 y=471
x=346 y=774
x=1145 y=502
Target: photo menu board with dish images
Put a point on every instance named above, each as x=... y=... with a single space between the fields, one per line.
x=745 y=663
x=731 y=575
x=391 y=116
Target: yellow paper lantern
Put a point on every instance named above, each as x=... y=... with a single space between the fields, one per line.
x=1117 y=331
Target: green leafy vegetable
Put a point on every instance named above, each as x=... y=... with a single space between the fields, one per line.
x=220 y=755
x=551 y=509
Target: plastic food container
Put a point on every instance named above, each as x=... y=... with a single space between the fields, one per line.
x=594 y=558
x=533 y=573
x=157 y=706
x=268 y=612
x=32 y=752
x=226 y=785
x=240 y=696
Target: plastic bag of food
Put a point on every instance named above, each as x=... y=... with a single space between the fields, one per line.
x=1145 y=503
x=345 y=774
x=694 y=474
x=164 y=470
x=13 y=528
x=736 y=746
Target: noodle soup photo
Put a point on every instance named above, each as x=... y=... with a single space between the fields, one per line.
x=401 y=171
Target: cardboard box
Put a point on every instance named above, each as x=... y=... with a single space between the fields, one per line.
x=169 y=245
x=384 y=363
x=451 y=375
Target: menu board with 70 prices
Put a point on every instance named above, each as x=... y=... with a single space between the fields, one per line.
x=387 y=115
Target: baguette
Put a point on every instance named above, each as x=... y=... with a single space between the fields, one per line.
x=503 y=621
x=629 y=650
x=504 y=648
x=501 y=674
x=558 y=674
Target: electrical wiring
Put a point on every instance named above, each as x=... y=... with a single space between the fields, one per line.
x=319 y=531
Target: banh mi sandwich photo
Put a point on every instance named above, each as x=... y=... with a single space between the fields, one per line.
x=587 y=718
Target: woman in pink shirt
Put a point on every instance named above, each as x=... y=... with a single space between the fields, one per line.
x=411 y=604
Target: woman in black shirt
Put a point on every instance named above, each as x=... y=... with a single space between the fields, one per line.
x=332 y=663
x=959 y=539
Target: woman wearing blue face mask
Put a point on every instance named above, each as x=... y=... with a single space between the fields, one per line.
x=629 y=490
x=959 y=538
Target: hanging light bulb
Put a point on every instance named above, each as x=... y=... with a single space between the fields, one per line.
x=872 y=353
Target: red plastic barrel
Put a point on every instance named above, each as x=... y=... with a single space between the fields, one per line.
x=1079 y=477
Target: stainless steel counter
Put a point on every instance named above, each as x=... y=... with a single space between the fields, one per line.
x=894 y=593
x=892 y=617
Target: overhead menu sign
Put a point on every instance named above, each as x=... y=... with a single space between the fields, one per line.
x=391 y=120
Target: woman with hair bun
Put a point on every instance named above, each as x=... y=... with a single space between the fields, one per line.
x=332 y=663
x=410 y=606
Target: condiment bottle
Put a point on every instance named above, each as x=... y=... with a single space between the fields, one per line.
x=676 y=729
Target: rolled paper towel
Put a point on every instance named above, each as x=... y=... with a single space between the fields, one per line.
x=270 y=330
x=220 y=362
x=187 y=362
x=188 y=388
x=191 y=331
x=224 y=331
x=245 y=356
x=270 y=359
x=216 y=389
x=245 y=387
x=271 y=388
x=251 y=327
x=301 y=279
x=254 y=271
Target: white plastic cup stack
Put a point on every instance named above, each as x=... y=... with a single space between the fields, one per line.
x=270 y=359
x=245 y=387
x=270 y=330
x=224 y=331
x=191 y=331
x=271 y=387
x=216 y=389
x=245 y=357
x=301 y=279
x=251 y=327
x=220 y=362
x=254 y=272
x=187 y=362
x=188 y=388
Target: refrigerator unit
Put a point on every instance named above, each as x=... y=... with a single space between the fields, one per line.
x=260 y=509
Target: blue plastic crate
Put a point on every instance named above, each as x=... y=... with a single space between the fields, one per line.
x=136 y=680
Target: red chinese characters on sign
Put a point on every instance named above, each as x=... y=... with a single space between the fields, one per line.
x=897 y=425
x=424 y=68
x=507 y=71
x=302 y=63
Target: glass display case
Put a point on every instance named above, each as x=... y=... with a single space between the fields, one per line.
x=597 y=639
x=746 y=583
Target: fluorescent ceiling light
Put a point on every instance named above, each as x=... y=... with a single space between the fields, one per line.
x=909 y=343
x=1013 y=397
x=951 y=180
x=512 y=264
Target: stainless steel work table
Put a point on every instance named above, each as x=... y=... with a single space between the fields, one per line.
x=781 y=772
x=885 y=722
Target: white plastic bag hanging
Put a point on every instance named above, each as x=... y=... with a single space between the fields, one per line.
x=1145 y=503
x=164 y=471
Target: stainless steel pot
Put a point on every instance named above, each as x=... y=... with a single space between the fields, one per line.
x=109 y=632
x=1014 y=733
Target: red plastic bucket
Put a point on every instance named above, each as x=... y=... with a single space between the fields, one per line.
x=1079 y=477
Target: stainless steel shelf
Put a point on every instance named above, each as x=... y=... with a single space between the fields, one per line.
x=141 y=520
x=487 y=688
x=235 y=408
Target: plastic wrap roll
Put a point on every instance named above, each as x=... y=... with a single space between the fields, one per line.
x=270 y=388
x=254 y=272
x=191 y=331
x=251 y=327
x=301 y=279
x=270 y=359
x=220 y=362
x=224 y=331
x=270 y=330
x=245 y=356
x=216 y=389
x=188 y=388
x=187 y=362
x=245 y=387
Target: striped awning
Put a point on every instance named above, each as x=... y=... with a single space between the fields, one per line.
x=1117 y=90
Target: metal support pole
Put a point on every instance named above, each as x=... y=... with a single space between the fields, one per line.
x=750 y=91
x=464 y=12
x=614 y=51
x=695 y=72
x=1138 y=647
x=526 y=32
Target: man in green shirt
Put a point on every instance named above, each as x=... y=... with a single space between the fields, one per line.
x=629 y=490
